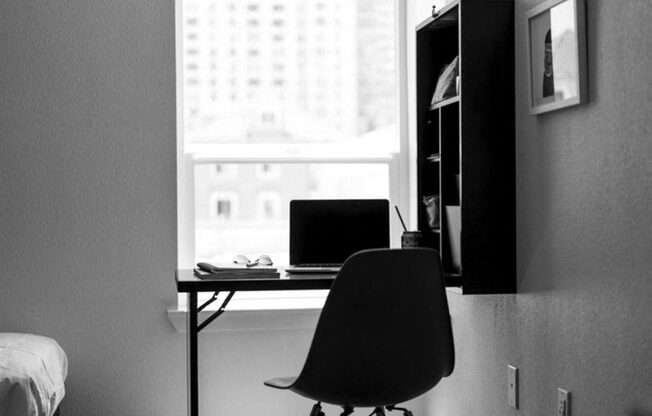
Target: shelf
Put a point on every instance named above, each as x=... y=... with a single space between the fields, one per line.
x=445 y=102
x=465 y=148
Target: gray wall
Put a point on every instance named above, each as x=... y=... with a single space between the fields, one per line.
x=582 y=319
x=87 y=181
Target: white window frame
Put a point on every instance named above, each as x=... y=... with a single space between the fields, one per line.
x=402 y=186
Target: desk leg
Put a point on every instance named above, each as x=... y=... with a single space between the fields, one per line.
x=193 y=385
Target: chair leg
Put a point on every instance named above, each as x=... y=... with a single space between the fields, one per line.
x=316 y=410
x=347 y=410
x=405 y=411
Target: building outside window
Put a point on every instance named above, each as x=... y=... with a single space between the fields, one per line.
x=221 y=171
x=223 y=207
x=269 y=206
x=268 y=171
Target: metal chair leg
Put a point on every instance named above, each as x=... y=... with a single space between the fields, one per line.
x=405 y=411
x=316 y=410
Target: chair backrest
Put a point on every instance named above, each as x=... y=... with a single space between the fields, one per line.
x=384 y=335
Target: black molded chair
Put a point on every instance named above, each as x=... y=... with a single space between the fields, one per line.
x=384 y=335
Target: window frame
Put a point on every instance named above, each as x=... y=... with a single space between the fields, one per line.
x=400 y=169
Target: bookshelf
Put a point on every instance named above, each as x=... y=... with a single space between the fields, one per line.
x=465 y=144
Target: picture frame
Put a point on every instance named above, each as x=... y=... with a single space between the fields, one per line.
x=556 y=55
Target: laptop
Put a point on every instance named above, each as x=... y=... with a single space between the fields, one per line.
x=325 y=232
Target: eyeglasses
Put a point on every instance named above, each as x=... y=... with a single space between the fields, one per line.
x=262 y=260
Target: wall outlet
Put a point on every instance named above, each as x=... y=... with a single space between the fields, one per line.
x=512 y=386
x=563 y=403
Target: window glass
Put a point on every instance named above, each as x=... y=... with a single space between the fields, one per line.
x=339 y=65
x=223 y=206
x=239 y=215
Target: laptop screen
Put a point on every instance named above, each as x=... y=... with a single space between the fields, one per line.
x=329 y=231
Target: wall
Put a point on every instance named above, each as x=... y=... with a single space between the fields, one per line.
x=87 y=218
x=581 y=318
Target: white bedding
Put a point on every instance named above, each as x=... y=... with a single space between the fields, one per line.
x=32 y=372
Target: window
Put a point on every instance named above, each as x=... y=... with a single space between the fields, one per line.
x=269 y=206
x=220 y=172
x=315 y=118
x=266 y=170
x=223 y=206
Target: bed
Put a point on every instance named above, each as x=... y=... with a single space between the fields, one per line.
x=33 y=370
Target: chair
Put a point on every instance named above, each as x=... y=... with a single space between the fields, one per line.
x=383 y=337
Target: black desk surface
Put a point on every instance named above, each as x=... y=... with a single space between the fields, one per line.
x=188 y=282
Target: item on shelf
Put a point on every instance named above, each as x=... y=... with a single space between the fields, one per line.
x=454 y=222
x=446 y=85
x=435 y=157
x=432 y=210
x=411 y=239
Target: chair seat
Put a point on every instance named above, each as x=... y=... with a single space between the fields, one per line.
x=281 y=382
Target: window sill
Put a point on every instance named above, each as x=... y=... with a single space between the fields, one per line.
x=250 y=319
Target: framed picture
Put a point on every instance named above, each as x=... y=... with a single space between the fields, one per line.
x=556 y=51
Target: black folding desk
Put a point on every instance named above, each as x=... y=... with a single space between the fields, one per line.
x=188 y=283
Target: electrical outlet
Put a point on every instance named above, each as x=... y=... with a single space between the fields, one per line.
x=512 y=386
x=563 y=403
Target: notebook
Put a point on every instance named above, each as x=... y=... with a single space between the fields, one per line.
x=325 y=232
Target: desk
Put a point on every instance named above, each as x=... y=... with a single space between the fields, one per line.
x=188 y=283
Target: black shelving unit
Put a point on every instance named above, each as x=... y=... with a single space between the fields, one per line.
x=465 y=144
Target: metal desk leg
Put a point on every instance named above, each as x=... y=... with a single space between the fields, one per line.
x=193 y=385
x=193 y=331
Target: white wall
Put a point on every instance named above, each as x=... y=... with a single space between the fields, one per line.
x=582 y=317
x=87 y=218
